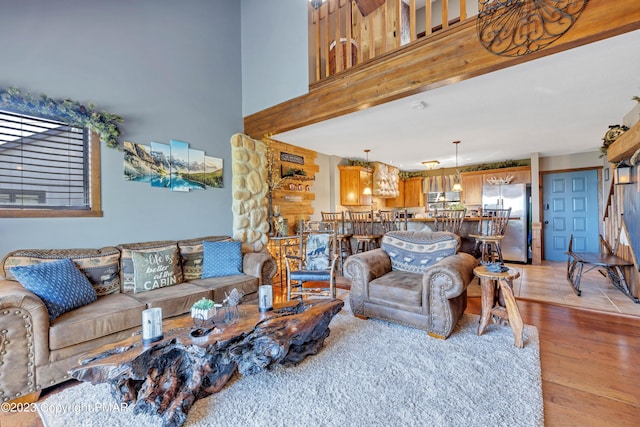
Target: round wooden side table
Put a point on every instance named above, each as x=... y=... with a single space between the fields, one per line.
x=501 y=304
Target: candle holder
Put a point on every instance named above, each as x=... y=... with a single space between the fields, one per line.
x=152 y=325
x=265 y=298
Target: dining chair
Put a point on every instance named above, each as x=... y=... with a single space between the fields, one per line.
x=402 y=219
x=449 y=220
x=317 y=262
x=343 y=235
x=491 y=228
x=362 y=225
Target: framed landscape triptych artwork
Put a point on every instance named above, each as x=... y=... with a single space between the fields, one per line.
x=174 y=166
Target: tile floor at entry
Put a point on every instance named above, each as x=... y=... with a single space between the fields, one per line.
x=548 y=283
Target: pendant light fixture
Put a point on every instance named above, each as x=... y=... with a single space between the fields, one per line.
x=367 y=189
x=457 y=187
x=430 y=164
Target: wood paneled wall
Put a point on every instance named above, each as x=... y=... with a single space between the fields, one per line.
x=294 y=196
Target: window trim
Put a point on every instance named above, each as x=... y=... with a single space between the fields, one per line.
x=94 y=192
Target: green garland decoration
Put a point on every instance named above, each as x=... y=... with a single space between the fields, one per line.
x=497 y=165
x=361 y=163
x=68 y=111
x=414 y=174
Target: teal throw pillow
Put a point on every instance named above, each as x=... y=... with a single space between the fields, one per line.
x=155 y=269
x=59 y=284
x=221 y=259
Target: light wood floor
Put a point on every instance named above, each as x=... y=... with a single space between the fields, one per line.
x=589 y=346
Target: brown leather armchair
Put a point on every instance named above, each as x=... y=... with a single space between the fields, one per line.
x=416 y=278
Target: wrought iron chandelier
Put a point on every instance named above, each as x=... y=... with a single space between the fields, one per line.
x=519 y=27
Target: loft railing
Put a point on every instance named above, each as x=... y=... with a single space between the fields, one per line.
x=374 y=27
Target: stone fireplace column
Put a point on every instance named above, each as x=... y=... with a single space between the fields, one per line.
x=249 y=189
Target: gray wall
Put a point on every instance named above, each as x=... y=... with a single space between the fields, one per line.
x=588 y=159
x=171 y=69
x=325 y=186
x=274 y=52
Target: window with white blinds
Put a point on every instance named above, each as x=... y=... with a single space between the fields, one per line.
x=44 y=164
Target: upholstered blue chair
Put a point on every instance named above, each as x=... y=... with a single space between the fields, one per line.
x=316 y=263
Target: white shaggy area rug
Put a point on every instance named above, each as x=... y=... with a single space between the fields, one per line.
x=369 y=373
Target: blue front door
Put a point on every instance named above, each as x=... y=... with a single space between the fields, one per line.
x=570 y=206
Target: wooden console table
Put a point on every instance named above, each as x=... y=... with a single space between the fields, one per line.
x=501 y=304
x=166 y=377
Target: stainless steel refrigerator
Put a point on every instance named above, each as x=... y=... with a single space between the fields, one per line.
x=515 y=243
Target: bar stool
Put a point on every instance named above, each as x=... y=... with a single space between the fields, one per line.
x=393 y=220
x=344 y=235
x=362 y=226
x=388 y=221
x=491 y=228
x=450 y=220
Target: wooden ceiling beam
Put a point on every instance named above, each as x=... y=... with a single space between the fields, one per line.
x=444 y=58
x=625 y=146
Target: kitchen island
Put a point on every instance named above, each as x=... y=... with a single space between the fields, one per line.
x=515 y=237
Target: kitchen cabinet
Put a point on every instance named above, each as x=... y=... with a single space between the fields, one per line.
x=413 y=195
x=472 y=182
x=353 y=180
x=396 y=202
x=519 y=175
x=471 y=189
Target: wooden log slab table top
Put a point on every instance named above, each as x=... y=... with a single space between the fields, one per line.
x=166 y=377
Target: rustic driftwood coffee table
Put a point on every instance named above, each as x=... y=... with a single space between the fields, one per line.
x=166 y=377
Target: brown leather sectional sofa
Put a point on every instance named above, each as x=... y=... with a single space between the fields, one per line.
x=36 y=353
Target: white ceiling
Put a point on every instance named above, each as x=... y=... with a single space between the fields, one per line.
x=560 y=104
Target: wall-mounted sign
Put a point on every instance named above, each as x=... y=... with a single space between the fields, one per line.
x=291 y=158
